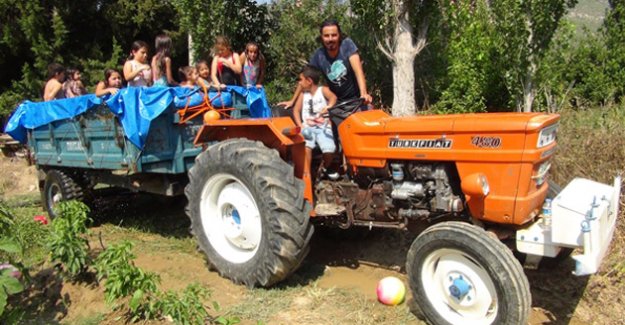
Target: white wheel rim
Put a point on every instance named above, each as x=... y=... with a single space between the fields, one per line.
x=54 y=195
x=230 y=218
x=477 y=305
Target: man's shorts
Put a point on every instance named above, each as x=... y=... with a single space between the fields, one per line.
x=321 y=136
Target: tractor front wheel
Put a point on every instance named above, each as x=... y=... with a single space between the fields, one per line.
x=248 y=212
x=461 y=275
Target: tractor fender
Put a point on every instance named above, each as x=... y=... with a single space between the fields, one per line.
x=276 y=133
x=279 y=133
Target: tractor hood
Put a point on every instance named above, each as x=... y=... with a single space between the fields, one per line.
x=483 y=122
x=374 y=136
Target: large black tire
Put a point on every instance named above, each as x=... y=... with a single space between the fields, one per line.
x=58 y=186
x=459 y=274
x=248 y=212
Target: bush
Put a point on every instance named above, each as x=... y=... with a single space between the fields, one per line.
x=68 y=244
x=185 y=308
x=18 y=240
x=9 y=285
x=123 y=278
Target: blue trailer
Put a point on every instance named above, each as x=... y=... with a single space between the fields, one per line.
x=140 y=139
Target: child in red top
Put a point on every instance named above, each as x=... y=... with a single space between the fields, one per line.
x=226 y=67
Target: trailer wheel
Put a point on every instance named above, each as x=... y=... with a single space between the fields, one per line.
x=59 y=187
x=459 y=274
x=248 y=212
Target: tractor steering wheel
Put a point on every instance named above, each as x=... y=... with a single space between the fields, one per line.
x=349 y=104
x=339 y=112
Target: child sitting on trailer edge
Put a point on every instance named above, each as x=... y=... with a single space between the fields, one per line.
x=188 y=76
x=203 y=73
x=310 y=114
x=111 y=84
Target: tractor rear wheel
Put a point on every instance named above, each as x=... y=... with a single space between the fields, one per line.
x=248 y=212
x=459 y=274
x=57 y=187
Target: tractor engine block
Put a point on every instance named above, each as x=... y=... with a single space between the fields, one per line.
x=404 y=190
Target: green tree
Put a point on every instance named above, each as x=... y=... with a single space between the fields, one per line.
x=294 y=39
x=240 y=20
x=33 y=35
x=613 y=31
x=554 y=74
x=90 y=35
x=524 y=31
x=596 y=65
x=469 y=55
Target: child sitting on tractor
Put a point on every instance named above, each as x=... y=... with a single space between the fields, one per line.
x=310 y=114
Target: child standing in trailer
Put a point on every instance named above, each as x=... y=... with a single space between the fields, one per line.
x=226 y=67
x=188 y=76
x=161 y=62
x=253 y=70
x=111 y=84
x=74 y=87
x=136 y=70
x=203 y=73
x=54 y=85
x=309 y=114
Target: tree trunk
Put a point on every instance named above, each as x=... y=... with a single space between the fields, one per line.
x=528 y=82
x=401 y=51
x=528 y=88
x=191 y=51
x=403 y=71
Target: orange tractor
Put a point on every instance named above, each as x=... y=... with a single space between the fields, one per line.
x=477 y=181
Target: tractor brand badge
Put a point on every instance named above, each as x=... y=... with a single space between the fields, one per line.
x=420 y=143
x=486 y=142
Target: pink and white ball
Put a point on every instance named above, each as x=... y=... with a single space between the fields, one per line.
x=391 y=291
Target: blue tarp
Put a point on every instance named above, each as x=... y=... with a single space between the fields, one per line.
x=135 y=107
x=30 y=115
x=257 y=102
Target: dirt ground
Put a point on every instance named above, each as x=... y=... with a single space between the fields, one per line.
x=16 y=177
x=335 y=285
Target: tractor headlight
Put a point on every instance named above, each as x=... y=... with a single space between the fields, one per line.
x=475 y=185
x=485 y=186
x=547 y=136
x=541 y=174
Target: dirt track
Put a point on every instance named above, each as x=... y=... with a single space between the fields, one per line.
x=336 y=284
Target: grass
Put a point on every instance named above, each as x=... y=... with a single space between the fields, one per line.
x=591 y=144
x=90 y=320
x=147 y=241
x=312 y=304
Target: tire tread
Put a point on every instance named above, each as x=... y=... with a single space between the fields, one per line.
x=280 y=192
x=508 y=266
